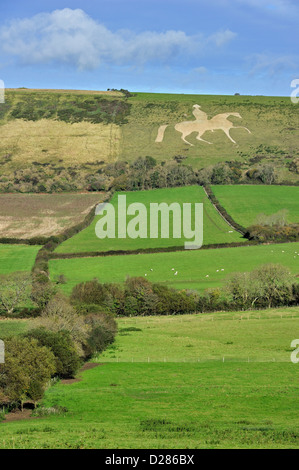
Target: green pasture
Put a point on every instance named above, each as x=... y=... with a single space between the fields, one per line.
x=197 y=269
x=17 y=258
x=215 y=229
x=254 y=336
x=245 y=202
x=182 y=404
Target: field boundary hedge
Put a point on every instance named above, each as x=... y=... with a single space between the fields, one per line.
x=25 y=241
x=41 y=261
x=171 y=249
x=223 y=213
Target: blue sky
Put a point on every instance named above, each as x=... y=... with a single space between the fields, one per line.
x=186 y=46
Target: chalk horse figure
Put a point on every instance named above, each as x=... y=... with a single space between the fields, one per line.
x=203 y=124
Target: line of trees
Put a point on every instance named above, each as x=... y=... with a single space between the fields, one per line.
x=267 y=286
x=142 y=173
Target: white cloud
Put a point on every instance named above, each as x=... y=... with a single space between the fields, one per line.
x=222 y=37
x=271 y=65
x=71 y=36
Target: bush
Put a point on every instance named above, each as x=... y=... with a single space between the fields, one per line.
x=89 y=292
x=275 y=233
x=102 y=332
x=60 y=315
x=60 y=343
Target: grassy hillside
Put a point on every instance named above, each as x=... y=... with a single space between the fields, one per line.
x=245 y=203
x=67 y=128
x=215 y=229
x=17 y=258
x=193 y=266
x=55 y=127
x=178 y=404
x=273 y=123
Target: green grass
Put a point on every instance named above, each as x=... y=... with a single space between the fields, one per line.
x=244 y=203
x=17 y=258
x=12 y=327
x=215 y=229
x=192 y=266
x=239 y=336
x=178 y=404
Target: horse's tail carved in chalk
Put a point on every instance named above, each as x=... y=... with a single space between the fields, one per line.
x=160 y=135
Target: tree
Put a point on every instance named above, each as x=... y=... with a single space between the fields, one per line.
x=14 y=291
x=103 y=330
x=242 y=289
x=267 y=286
x=60 y=343
x=280 y=218
x=42 y=292
x=294 y=165
x=27 y=370
x=89 y=292
x=60 y=315
x=221 y=174
x=274 y=283
x=267 y=173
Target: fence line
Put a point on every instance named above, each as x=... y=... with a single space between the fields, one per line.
x=205 y=317
x=221 y=359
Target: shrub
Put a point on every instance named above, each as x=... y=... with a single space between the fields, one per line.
x=59 y=315
x=89 y=292
x=60 y=343
x=276 y=233
x=102 y=331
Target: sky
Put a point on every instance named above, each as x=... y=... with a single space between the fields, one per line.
x=167 y=46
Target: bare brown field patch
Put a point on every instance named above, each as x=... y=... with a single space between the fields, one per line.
x=31 y=215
